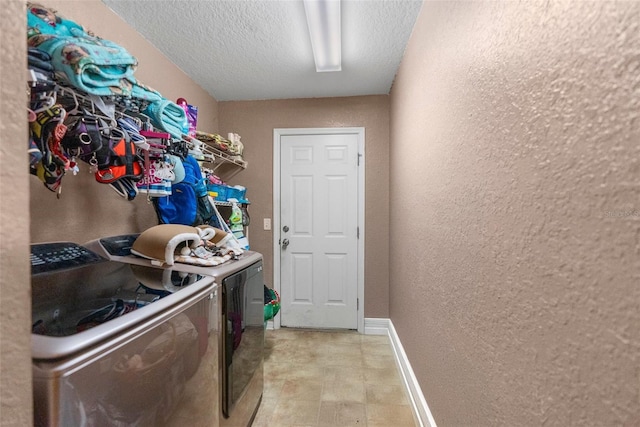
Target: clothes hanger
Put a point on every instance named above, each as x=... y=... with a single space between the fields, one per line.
x=143 y=120
x=64 y=94
x=45 y=101
x=125 y=123
x=136 y=120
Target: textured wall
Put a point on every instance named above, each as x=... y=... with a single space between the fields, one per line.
x=515 y=221
x=88 y=210
x=255 y=121
x=15 y=300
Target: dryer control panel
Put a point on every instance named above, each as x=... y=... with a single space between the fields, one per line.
x=119 y=245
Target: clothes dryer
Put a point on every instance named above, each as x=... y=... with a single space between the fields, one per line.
x=240 y=286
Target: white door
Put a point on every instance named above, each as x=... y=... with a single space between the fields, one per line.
x=319 y=230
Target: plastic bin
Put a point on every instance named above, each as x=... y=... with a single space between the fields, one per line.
x=220 y=189
x=237 y=193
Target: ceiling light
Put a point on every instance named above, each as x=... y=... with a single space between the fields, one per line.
x=323 y=19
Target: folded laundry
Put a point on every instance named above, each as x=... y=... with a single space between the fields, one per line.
x=87 y=62
x=145 y=93
x=96 y=66
x=169 y=117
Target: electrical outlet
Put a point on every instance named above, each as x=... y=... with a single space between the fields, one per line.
x=267 y=224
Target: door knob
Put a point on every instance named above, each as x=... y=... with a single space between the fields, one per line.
x=285 y=243
x=285 y=228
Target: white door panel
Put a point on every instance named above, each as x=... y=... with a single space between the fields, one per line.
x=319 y=205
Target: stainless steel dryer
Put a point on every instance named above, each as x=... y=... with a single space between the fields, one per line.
x=241 y=315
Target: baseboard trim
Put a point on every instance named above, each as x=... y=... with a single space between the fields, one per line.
x=421 y=410
x=374 y=326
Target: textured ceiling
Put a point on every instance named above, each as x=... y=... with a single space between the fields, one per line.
x=246 y=50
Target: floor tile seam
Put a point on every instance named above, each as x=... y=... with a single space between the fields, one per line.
x=330 y=353
x=389 y=358
x=344 y=378
x=342 y=401
x=378 y=354
x=378 y=383
x=358 y=367
x=382 y=373
x=318 y=411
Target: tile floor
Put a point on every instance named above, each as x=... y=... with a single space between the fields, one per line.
x=321 y=378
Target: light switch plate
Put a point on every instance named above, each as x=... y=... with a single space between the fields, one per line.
x=267 y=223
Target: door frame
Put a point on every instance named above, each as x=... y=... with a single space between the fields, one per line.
x=277 y=133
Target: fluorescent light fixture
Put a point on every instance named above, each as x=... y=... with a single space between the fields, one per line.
x=323 y=19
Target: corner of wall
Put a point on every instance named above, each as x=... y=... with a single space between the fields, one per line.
x=15 y=274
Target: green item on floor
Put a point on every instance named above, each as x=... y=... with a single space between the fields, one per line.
x=271 y=303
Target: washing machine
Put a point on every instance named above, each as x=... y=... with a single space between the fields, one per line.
x=240 y=286
x=117 y=344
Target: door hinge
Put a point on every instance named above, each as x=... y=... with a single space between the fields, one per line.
x=357 y=303
x=357 y=232
x=359 y=155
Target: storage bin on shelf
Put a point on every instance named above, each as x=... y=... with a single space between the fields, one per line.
x=237 y=193
x=224 y=193
x=220 y=190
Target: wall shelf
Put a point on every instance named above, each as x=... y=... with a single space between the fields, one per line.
x=228 y=204
x=223 y=164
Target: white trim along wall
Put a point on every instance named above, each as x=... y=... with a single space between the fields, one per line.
x=421 y=411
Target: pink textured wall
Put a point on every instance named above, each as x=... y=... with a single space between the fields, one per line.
x=15 y=269
x=89 y=210
x=515 y=221
x=255 y=121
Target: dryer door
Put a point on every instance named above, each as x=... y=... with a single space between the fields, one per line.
x=243 y=337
